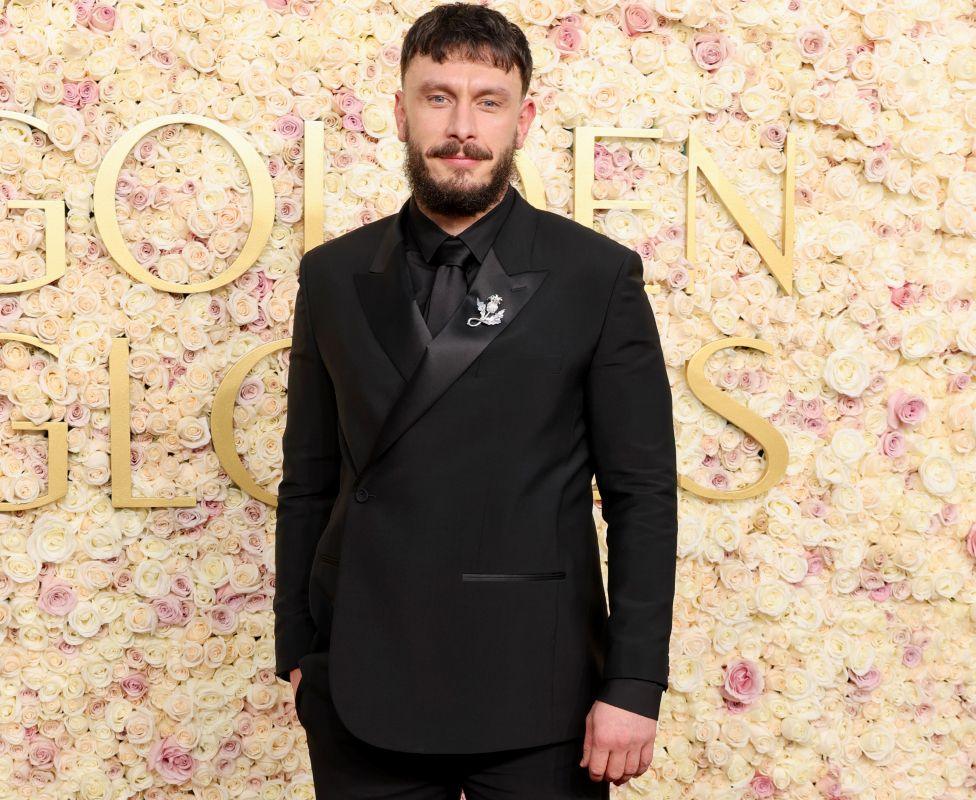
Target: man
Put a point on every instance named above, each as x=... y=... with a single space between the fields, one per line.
x=459 y=371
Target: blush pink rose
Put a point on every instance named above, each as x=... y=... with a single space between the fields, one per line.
x=904 y=296
x=102 y=18
x=868 y=681
x=905 y=409
x=172 y=761
x=639 y=18
x=349 y=103
x=134 y=685
x=812 y=42
x=971 y=541
x=353 y=122
x=711 y=50
x=762 y=785
x=566 y=38
x=290 y=126
x=42 y=753
x=911 y=656
x=744 y=682
x=893 y=444
x=57 y=597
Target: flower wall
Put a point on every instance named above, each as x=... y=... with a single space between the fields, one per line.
x=823 y=633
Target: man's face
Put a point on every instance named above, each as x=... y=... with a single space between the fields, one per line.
x=462 y=122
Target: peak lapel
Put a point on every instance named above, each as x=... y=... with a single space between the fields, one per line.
x=429 y=366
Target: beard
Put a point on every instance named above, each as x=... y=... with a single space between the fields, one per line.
x=456 y=196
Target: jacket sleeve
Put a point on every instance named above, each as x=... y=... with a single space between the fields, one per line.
x=309 y=483
x=632 y=444
x=634 y=694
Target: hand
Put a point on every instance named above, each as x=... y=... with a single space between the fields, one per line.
x=295 y=676
x=619 y=744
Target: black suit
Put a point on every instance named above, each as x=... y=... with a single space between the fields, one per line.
x=437 y=562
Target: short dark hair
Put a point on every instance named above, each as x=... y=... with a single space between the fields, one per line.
x=469 y=31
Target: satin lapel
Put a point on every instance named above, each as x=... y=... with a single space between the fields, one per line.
x=430 y=366
x=385 y=293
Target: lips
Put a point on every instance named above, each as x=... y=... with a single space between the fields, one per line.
x=461 y=161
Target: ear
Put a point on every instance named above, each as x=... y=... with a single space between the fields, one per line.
x=526 y=115
x=400 y=115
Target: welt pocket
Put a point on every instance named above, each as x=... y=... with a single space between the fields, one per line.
x=326 y=558
x=519 y=363
x=513 y=576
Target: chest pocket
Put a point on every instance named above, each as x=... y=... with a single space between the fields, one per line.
x=519 y=364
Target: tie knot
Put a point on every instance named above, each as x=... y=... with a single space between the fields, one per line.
x=453 y=251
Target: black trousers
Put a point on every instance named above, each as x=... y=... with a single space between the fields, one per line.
x=345 y=767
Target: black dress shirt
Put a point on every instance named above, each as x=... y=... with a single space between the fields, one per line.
x=422 y=238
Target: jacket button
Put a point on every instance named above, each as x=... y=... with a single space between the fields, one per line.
x=362 y=494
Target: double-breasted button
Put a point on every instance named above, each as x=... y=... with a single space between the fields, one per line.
x=361 y=494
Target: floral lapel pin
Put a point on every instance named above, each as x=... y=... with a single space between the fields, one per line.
x=490 y=315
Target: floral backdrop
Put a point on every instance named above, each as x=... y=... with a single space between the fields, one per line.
x=823 y=640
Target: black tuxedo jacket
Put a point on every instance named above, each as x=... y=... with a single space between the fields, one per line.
x=438 y=568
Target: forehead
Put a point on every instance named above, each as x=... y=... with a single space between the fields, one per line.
x=424 y=74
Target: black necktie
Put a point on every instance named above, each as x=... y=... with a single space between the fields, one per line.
x=450 y=282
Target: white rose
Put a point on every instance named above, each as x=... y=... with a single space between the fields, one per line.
x=920 y=339
x=877 y=741
x=938 y=475
x=847 y=373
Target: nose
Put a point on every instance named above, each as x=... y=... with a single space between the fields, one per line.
x=461 y=123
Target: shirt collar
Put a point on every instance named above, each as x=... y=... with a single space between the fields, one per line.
x=478 y=236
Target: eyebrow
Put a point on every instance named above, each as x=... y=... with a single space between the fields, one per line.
x=430 y=85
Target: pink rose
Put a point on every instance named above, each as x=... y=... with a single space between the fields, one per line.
x=10 y=310
x=903 y=296
x=102 y=18
x=711 y=50
x=971 y=540
x=57 y=597
x=638 y=18
x=566 y=38
x=603 y=168
x=868 y=681
x=290 y=126
x=172 y=761
x=812 y=42
x=774 y=134
x=762 y=785
x=83 y=10
x=911 y=656
x=277 y=5
x=905 y=409
x=349 y=103
x=352 y=122
x=134 y=685
x=743 y=681
x=893 y=444
x=42 y=753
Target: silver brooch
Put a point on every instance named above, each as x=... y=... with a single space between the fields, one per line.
x=490 y=315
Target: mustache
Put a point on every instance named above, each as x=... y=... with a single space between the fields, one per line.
x=454 y=149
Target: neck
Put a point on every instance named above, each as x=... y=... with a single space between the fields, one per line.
x=453 y=224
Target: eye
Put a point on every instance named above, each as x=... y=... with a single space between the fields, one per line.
x=435 y=96
x=493 y=101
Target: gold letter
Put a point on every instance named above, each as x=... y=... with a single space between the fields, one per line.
x=57 y=441
x=222 y=420
x=54 y=257
x=262 y=203
x=776 y=449
x=780 y=263
x=121 y=442
x=583 y=142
